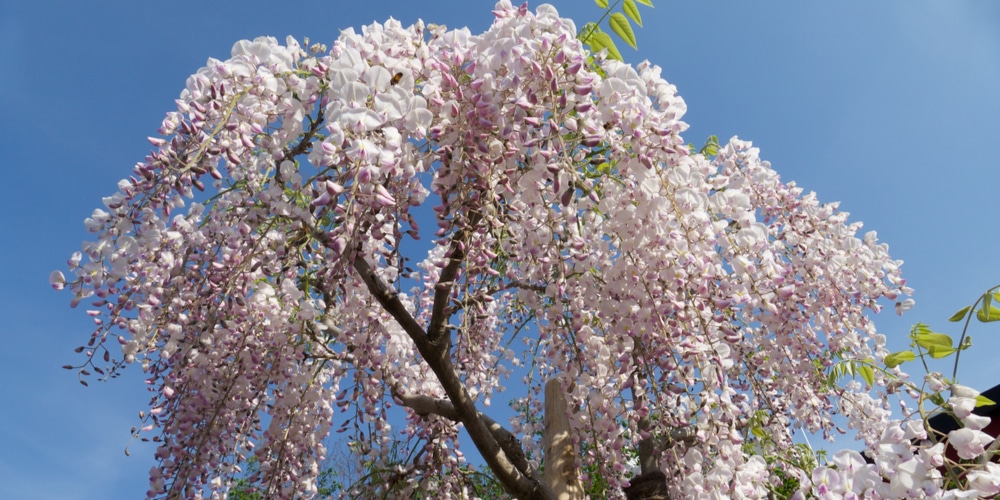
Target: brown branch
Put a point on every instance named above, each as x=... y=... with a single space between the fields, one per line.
x=446 y=282
x=650 y=447
x=518 y=481
x=499 y=448
x=389 y=300
x=426 y=405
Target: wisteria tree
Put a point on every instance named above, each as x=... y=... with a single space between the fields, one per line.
x=395 y=228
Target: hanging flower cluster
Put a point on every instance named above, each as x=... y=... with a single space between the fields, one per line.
x=322 y=236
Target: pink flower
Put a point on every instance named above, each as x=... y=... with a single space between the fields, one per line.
x=57 y=280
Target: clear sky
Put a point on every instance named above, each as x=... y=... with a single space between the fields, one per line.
x=890 y=107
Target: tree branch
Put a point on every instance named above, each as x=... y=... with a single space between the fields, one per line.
x=498 y=446
x=426 y=405
x=446 y=282
x=517 y=480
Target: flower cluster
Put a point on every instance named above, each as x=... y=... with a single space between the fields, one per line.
x=269 y=264
x=907 y=463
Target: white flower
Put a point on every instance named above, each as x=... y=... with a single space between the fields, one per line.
x=961 y=391
x=825 y=481
x=986 y=481
x=904 y=306
x=962 y=406
x=908 y=476
x=976 y=422
x=969 y=443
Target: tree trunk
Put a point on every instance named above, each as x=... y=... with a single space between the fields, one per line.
x=647 y=486
x=650 y=483
x=560 y=458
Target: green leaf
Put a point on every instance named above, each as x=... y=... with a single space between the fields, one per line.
x=940 y=351
x=930 y=339
x=620 y=25
x=633 y=12
x=983 y=401
x=599 y=41
x=897 y=358
x=757 y=431
x=602 y=3
x=868 y=374
x=645 y=2
x=960 y=315
x=988 y=313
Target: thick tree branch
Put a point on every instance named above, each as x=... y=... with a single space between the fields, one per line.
x=446 y=282
x=492 y=441
x=517 y=480
x=389 y=300
x=426 y=405
x=651 y=447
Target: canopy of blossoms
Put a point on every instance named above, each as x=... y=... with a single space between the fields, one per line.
x=402 y=223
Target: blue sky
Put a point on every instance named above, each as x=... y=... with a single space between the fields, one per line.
x=890 y=107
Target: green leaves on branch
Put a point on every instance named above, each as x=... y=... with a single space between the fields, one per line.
x=711 y=147
x=598 y=40
x=988 y=314
x=620 y=24
x=709 y=150
x=939 y=345
x=853 y=368
x=987 y=311
x=934 y=344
